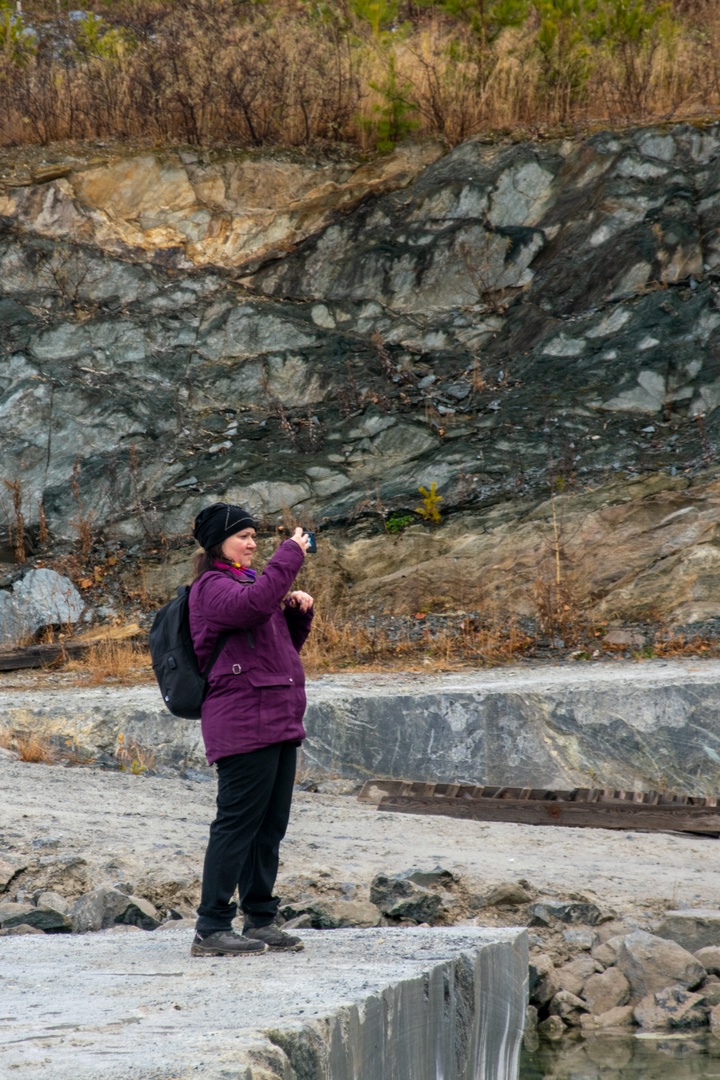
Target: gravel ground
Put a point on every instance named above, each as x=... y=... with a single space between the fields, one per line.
x=146 y=829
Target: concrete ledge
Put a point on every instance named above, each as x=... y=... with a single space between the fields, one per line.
x=642 y=725
x=412 y=1004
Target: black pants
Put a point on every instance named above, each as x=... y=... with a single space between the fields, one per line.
x=253 y=808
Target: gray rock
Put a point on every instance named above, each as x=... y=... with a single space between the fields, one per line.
x=672 y=1007
x=651 y=963
x=104 y=906
x=694 y=928
x=45 y=919
x=579 y=938
x=40 y=598
x=549 y=912
x=400 y=898
x=333 y=914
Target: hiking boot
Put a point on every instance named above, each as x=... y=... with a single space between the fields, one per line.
x=226 y=943
x=274 y=938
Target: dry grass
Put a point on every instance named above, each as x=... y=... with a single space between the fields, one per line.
x=215 y=72
x=113 y=659
x=34 y=748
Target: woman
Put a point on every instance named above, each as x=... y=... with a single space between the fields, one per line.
x=251 y=722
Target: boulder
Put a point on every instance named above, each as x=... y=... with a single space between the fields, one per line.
x=552 y=1028
x=580 y=938
x=573 y=976
x=20 y=928
x=568 y=1007
x=333 y=914
x=672 y=1007
x=709 y=957
x=619 y=1017
x=605 y=991
x=105 y=906
x=507 y=894
x=399 y=898
x=549 y=912
x=711 y=990
x=543 y=980
x=40 y=598
x=651 y=963
x=606 y=952
x=714 y=1019
x=42 y=918
x=696 y=928
x=9 y=869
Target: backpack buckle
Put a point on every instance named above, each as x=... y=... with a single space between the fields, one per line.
x=236 y=669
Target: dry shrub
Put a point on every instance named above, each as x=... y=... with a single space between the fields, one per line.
x=34 y=748
x=222 y=72
x=122 y=661
x=674 y=643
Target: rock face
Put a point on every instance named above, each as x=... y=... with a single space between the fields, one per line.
x=551 y=727
x=507 y=321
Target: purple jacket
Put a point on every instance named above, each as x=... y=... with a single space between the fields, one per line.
x=256 y=689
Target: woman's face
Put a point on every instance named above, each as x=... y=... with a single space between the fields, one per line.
x=240 y=547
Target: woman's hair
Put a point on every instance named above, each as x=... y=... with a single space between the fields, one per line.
x=205 y=560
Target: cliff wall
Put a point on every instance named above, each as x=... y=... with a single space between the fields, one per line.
x=533 y=327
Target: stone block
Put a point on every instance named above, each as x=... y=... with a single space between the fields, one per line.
x=696 y=928
x=651 y=963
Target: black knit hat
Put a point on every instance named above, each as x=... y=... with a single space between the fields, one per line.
x=215 y=523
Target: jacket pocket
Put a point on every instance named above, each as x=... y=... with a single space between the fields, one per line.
x=278 y=700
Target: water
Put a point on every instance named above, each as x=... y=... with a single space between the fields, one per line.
x=683 y=1056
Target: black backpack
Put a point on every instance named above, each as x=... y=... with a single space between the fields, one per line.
x=182 y=684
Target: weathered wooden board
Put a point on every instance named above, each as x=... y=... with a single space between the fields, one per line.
x=580 y=808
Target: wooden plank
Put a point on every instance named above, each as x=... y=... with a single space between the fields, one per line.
x=593 y=815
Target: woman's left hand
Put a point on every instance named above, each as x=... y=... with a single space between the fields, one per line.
x=301 y=600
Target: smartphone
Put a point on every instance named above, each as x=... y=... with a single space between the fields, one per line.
x=312 y=546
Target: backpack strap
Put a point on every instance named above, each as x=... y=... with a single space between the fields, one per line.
x=222 y=638
x=219 y=646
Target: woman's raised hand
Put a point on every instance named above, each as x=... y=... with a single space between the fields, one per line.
x=302 y=539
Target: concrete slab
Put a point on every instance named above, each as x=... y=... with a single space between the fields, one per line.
x=411 y=1004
